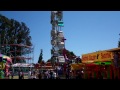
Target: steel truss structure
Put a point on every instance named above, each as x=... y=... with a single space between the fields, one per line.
x=24 y=53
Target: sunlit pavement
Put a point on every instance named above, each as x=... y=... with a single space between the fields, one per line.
x=16 y=77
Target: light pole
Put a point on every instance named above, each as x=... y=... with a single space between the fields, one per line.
x=15 y=51
x=0 y=43
x=64 y=50
x=119 y=42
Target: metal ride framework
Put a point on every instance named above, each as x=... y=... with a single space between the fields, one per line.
x=57 y=37
x=26 y=52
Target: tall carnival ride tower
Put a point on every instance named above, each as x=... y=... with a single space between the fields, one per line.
x=57 y=37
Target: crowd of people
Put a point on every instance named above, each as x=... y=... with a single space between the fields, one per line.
x=57 y=73
x=46 y=74
x=36 y=74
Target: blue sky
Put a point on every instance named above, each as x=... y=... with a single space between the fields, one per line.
x=85 y=31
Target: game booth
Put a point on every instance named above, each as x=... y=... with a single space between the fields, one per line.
x=25 y=67
x=77 y=67
x=98 y=70
x=98 y=65
x=45 y=66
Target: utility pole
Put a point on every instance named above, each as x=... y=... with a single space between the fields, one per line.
x=15 y=51
x=119 y=42
x=0 y=43
x=0 y=37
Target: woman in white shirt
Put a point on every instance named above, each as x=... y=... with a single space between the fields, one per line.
x=54 y=75
x=29 y=74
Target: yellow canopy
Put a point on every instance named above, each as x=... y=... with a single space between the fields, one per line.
x=76 y=66
x=114 y=50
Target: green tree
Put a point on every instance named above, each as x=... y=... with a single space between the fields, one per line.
x=49 y=60
x=69 y=54
x=14 y=32
x=41 y=56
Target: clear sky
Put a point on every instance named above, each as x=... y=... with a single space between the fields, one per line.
x=85 y=31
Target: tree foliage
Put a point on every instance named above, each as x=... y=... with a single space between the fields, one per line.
x=41 y=56
x=14 y=32
x=49 y=60
x=69 y=54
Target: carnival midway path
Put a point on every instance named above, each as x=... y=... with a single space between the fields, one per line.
x=16 y=77
x=26 y=77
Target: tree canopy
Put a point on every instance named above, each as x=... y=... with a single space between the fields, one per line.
x=41 y=56
x=14 y=32
x=69 y=54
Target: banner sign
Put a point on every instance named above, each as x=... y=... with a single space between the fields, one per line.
x=97 y=56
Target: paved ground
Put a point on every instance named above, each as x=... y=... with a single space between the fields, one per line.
x=26 y=77
x=16 y=77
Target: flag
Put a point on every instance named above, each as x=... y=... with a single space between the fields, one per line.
x=63 y=40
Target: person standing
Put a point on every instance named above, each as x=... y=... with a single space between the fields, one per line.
x=12 y=75
x=51 y=74
x=54 y=75
x=40 y=75
x=29 y=74
x=22 y=75
x=19 y=74
x=34 y=75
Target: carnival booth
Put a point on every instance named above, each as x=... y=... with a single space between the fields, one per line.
x=77 y=67
x=25 y=67
x=98 y=64
x=105 y=69
x=98 y=70
x=45 y=66
x=90 y=71
x=5 y=62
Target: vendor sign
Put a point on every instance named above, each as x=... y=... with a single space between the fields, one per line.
x=97 y=56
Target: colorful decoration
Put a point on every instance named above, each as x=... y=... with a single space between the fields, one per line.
x=4 y=61
x=6 y=57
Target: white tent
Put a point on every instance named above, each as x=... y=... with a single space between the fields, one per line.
x=22 y=65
